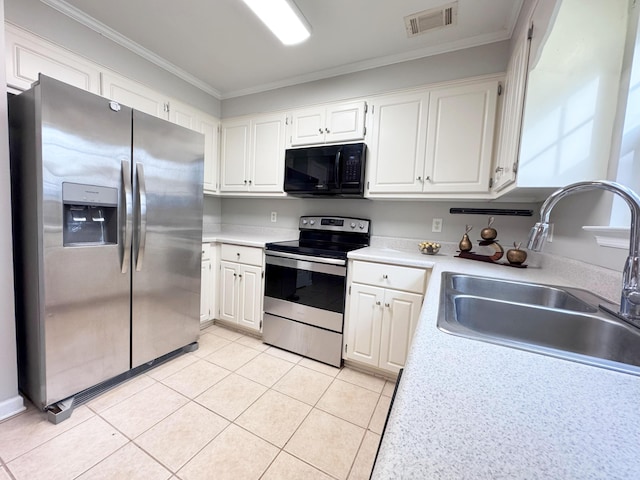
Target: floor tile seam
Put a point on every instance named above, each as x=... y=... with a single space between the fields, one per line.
x=226 y=368
x=282 y=450
x=88 y=404
x=353 y=462
x=170 y=469
x=7 y=469
x=212 y=385
x=247 y=408
x=344 y=420
x=361 y=386
x=316 y=371
x=150 y=427
x=93 y=414
x=294 y=398
x=253 y=380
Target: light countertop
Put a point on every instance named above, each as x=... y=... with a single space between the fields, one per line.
x=470 y=409
x=248 y=239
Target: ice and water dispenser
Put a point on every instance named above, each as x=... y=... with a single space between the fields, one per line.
x=90 y=215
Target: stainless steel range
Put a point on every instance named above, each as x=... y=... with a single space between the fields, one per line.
x=305 y=284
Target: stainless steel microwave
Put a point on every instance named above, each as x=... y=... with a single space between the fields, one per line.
x=324 y=171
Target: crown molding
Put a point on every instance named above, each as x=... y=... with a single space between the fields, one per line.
x=99 y=27
x=471 y=42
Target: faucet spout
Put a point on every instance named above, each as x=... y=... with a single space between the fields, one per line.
x=630 y=297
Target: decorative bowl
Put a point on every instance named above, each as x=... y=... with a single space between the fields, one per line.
x=429 y=248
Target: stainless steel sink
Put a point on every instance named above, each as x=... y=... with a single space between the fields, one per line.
x=529 y=293
x=557 y=321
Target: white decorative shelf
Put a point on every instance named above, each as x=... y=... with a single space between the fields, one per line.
x=613 y=237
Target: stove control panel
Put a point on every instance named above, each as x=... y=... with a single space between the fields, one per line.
x=335 y=224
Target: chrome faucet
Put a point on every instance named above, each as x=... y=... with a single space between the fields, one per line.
x=630 y=298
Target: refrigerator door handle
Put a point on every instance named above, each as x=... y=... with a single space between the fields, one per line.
x=142 y=202
x=128 y=224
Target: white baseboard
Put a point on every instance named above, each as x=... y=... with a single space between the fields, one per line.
x=11 y=406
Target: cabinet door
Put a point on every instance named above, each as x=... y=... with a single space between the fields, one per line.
x=251 y=292
x=345 y=122
x=399 y=320
x=267 y=153
x=460 y=138
x=28 y=55
x=209 y=126
x=307 y=126
x=515 y=83
x=397 y=143
x=205 y=291
x=234 y=159
x=365 y=323
x=134 y=94
x=183 y=115
x=229 y=291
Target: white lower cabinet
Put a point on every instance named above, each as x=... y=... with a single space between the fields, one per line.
x=208 y=292
x=241 y=286
x=381 y=320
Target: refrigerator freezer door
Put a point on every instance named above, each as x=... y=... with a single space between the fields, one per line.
x=168 y=175
x=85 y=295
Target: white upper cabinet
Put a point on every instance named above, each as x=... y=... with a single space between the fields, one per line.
x=460 y=132
x=134 y=95
x=267 y=153
x=27 y=55
x=397 y=145
x=340 y=122
x=210 y=127
x=252 y=154
x=234 y=155
x=508 y=144
x=433 y=141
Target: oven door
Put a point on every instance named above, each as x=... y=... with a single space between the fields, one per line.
x=305 y=290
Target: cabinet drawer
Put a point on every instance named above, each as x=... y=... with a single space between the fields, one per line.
x=206 y=251
x=241 y=254
x=390 y=276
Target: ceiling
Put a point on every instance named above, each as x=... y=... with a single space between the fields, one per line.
x=221 y=47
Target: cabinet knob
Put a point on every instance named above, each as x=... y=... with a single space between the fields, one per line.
x=235 y=275
x=249 y=182
x=387 y=305
x=499 y=169
x=378 y=302
x=320 y=130
x=419 y=179
x=238 y=254
x=428 y=179
x=385 y=276
x=245 y=182
x=327 y=130
x=240 y=276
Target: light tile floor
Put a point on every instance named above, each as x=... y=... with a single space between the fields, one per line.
x=235 y=408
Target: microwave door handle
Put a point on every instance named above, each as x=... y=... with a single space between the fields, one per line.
x=337 y=170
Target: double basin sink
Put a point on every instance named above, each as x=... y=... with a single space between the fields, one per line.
x=561 y=322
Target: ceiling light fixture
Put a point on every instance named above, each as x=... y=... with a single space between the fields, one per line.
x=283 y=18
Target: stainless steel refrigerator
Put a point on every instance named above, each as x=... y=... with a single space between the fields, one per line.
x=107 y=213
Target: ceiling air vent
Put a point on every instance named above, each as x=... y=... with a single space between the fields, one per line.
x=427 y=20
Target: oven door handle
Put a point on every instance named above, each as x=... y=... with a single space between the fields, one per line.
x=307 y=258
x=305 y=266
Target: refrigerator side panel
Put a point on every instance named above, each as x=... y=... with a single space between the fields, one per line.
x=26 y=196
x=167 y=246
x=86 y=319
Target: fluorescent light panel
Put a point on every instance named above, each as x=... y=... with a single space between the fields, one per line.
x=283 y=18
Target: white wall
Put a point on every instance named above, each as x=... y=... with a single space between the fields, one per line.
x=394 y=219
x=485 y=59
x=10 y=401
x=52 y=25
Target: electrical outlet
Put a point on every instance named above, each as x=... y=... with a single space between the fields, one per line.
x=436 y=225
x=274 y=216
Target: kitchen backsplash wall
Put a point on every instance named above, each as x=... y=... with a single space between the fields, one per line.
x=391 y=219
